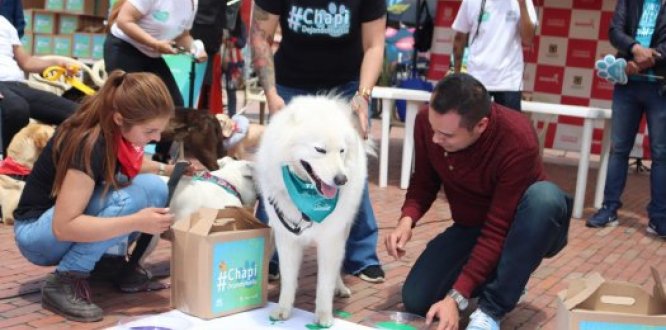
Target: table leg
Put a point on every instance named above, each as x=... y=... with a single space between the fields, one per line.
x=583 y=168
x=387 y=109
x=603 y=165
x=408 y=143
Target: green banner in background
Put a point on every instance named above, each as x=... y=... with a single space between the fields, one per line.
x=181 y=66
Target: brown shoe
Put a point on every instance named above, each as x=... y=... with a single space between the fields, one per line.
x=68 y=294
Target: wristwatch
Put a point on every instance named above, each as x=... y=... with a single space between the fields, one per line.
x=460 y=300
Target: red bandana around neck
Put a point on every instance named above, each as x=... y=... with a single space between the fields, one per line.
x=130 y=157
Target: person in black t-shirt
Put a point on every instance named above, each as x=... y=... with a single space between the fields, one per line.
x=86 y=192
x=328 y=46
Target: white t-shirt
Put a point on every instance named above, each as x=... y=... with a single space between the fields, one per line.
x=9 y=69
x=496 y=53
x=162 y=19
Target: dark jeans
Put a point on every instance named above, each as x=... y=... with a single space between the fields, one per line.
x=539 y=230
x=119 y=54
x=509 y=99
x=630 y=102
x=21 y=102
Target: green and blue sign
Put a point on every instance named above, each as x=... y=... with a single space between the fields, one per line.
x=237 y=274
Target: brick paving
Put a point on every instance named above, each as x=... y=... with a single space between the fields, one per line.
x=621 y=253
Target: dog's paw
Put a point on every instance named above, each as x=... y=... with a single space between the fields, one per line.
x=612 y=69
x=324 y=319
x=342 y=292
x=280 y=313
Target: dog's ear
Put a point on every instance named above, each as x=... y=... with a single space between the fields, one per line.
x=224 y=161
x=247 y=171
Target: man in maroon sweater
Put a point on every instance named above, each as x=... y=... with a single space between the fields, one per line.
x=507 y=218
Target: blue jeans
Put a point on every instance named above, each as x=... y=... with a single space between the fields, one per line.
x=37 y=243
x=509 y=99
x=361 y=248
x=630 y=102
x=539 y=230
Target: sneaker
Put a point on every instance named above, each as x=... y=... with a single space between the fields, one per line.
x=68 y=294
x=605 y=217
x=135 y=278
x=482 y=321
x=273 y=271
x=372 y=274
x=652 y=229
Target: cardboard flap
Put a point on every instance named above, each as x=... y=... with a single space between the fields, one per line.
x=230 y=219
x=581 y=289
x=620 y=297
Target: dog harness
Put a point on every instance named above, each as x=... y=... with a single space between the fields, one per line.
x=307 y=199
x=222 y=183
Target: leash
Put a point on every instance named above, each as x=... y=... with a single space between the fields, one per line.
x=54 y=73
x=144 y=239
x=296 y=229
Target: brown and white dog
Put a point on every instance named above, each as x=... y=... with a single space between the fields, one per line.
x=22 y=153
x=201 y=135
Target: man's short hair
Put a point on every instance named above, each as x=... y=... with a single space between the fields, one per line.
x=462 y=94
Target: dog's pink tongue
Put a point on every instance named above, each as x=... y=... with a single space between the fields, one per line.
x=328 y=191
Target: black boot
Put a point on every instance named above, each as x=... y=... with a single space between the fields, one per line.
x=108 y=268
x=68 y=294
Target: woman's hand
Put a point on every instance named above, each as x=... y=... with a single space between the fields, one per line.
x=164 y=47
x=154 y=220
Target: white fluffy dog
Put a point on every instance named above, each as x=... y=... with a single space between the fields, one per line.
x=231 y=185
x=310 y=156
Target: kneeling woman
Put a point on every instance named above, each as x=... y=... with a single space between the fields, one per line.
x=86 y=194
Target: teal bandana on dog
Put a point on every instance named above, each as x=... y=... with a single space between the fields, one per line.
x=307 y=198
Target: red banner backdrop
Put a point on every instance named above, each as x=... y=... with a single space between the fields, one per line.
x=559 y=66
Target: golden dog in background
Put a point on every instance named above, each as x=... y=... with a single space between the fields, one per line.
x=24 y=150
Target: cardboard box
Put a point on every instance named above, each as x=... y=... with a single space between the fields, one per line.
x=219 y=262
x=98 y=46
x=62 y=45
x=594 y=303
x=41 y=21
x=42 y=44
x=82 y=45
x=67 y=23
x=55 y=5
x=27 y=41
x=89 y=7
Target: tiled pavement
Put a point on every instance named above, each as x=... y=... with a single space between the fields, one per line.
x=622 y=253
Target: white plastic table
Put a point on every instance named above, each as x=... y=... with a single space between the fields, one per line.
x=415 y=98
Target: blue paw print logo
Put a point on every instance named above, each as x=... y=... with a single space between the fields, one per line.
x=612 y=69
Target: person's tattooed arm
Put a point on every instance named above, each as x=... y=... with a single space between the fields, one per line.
x=262 y=30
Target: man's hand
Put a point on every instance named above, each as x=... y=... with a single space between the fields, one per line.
x=446 y=310
x=275 y=102
x=644 y=57
x=360 y=107
x=395 y=241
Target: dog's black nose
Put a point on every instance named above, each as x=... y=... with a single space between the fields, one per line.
x=340 y=179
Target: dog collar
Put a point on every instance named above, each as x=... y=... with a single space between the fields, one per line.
x=294 y=228
x=306 y=197
x=222 y=183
